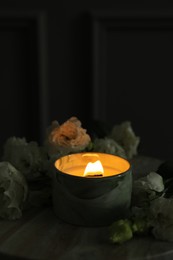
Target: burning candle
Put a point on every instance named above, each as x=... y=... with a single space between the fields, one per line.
x=92 y=165
x=91 y=189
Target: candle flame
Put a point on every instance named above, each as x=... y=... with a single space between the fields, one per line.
x=94 y=169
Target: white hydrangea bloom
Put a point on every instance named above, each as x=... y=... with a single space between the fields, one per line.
x=124 y=135
x=163 y=231
x=155 y=182
x=13 y=191
x=145 y=189
x=161 y=212
x=162 y=208
x=108 y=145
x=28 y=158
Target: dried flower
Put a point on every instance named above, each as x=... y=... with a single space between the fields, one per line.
x=66 y=138
x=13 y=191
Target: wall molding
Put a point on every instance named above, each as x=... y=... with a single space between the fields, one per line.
x=34 y=23
x=106 y=22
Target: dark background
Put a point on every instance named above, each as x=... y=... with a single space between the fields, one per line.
x=97 y=60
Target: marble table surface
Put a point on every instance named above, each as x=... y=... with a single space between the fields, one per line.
x=39 y=234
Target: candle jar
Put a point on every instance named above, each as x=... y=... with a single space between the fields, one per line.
x=95 y=199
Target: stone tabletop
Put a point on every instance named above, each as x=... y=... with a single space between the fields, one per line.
x=39 y=234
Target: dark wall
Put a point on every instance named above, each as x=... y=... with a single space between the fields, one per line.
x=54 y=67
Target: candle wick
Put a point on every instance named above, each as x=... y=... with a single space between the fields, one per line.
x=94 y=175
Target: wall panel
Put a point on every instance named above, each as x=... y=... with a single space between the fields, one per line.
x=23 y=106
x=132 y=75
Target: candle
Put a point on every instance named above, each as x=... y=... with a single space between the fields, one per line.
x=91 y=189
x=92 y=164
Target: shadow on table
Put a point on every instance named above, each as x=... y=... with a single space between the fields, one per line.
x=11 y=257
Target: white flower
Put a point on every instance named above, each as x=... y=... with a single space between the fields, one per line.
x=162 y=209
x=28 y=158
x=161 y=212
x=108 y=145
x=155 y=182
x=145 y=189
x=13 y=191
x=163 y=231
x=124 y=135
